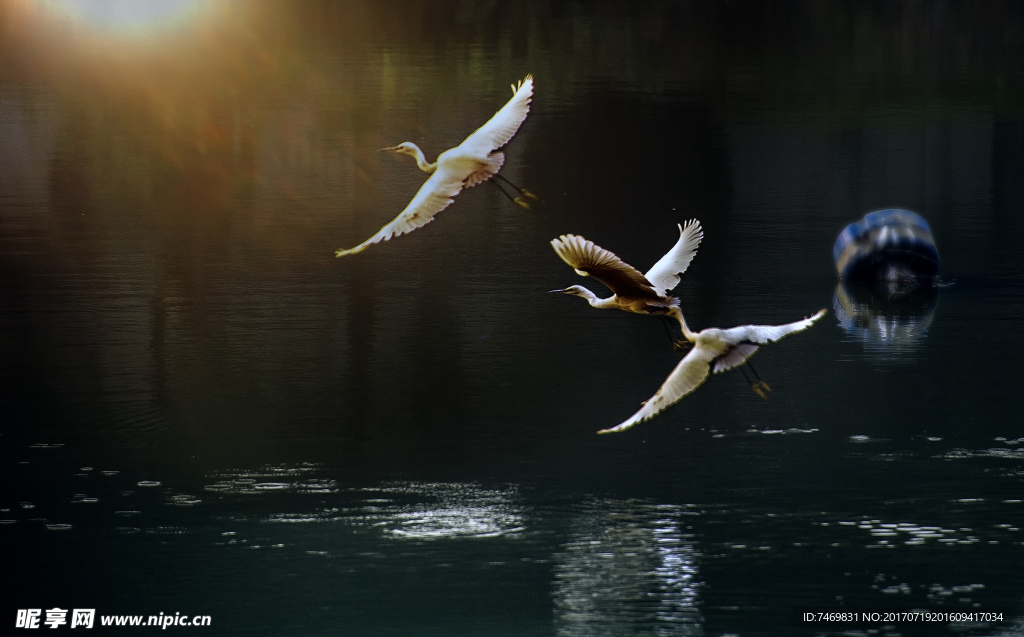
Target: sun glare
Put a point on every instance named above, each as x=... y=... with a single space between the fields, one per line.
x=125 y=17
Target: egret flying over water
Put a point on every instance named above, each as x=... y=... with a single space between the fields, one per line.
x=634 y=292
x=468 y=164
x=714 y=351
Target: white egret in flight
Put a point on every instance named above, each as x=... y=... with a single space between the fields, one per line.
x=714 y=350
x=471 y=162
x=633 y=292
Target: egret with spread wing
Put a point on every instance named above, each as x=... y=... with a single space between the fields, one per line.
x=633 y=292
x=468 y=164
x=714 y=351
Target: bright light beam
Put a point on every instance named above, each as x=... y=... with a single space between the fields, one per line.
x=125 y=17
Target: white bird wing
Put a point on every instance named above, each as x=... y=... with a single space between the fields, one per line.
x=762 y=334
x=503 y=126
x=689 y=374
x=434 y=195
x=589 y=259
x=695 y=368
x=664 y=275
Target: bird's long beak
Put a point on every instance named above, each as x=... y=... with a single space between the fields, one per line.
x=388 y=148
x=553 y=291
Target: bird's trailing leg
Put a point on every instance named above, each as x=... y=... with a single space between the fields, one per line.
x=523 y=192
x=516 y=200
x=679 y=345
x=760 y=387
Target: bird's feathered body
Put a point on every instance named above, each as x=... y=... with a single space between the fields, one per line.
x=714 y=350
x=468 y=164
x=633 y=291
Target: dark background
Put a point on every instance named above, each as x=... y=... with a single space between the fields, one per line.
x=203 y=411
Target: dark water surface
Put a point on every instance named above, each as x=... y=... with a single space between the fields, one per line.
x=204 y=412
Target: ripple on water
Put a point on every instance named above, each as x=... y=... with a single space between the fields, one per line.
x=184 y=500
x=1013 y=453
x=269 y=480
x=443 y=510
x=298 y=517
x=892 y=534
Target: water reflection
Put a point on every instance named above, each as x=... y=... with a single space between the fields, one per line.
x=628 y=568
x=1015 y=628
x=890 y=326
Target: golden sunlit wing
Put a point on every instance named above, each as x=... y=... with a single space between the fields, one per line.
x=689 y=374
x=589 y=259
x=664 y=275
x=434 y=195
x=503 y=126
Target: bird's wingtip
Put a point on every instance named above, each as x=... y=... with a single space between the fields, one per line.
x=526 y=80
x=342 y=253
x=617 y=428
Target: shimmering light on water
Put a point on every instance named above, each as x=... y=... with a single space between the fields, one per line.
x=628 y=566
x=451 y=510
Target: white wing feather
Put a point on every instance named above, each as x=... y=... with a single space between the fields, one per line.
x=503 y=126
x=768 y=333
x=688 y=375
x=434 y=195
x=664 y=275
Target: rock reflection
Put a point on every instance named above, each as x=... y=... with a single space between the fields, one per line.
x=629 y=568
x=891 y=325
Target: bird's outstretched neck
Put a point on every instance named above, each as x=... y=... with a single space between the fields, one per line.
x=421 y=160
x=593 y=299
x=677 y=313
